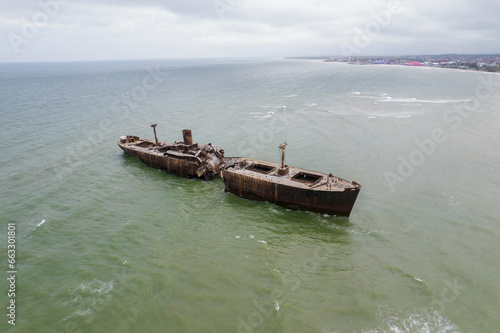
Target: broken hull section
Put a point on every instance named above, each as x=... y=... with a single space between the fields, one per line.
x=179 y=167
x=266 y=188
x=183 y=159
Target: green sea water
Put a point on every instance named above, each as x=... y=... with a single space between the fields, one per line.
x=105 y=243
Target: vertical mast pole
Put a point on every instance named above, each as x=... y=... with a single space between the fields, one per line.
x=282 y=147
x=154 y=130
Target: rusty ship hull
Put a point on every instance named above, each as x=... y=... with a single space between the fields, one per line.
x=291 y=187
x=185 y=158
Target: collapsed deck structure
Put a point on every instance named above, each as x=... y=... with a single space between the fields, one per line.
x=184 y=158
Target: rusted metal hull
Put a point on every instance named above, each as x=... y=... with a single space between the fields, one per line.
x=291 y=187
x=320 y=195
x=179 y=167
x=185 y=160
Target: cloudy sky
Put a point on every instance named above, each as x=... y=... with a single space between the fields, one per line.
x=69 y=30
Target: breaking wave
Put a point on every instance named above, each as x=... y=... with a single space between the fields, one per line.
x=416 y=100
x=421 y=321
x=87 y=296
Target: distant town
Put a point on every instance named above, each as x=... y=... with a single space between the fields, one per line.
x=480 y=62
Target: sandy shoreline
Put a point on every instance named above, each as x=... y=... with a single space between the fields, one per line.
x=422 y=66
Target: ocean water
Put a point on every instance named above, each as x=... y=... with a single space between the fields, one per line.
x=107 y=244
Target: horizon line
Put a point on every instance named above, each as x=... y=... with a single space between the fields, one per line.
x=252 y=57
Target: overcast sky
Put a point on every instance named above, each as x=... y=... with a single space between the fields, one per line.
x=68 y=30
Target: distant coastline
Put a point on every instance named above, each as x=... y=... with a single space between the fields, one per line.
x=474 y=62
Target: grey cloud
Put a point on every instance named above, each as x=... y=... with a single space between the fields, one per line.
x=167 y=28
x=200 y=8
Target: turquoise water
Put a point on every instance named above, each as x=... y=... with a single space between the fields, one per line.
x=107 y=244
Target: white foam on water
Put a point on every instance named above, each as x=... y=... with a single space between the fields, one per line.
x=78 y=298
x=262 y=241
x=38 y=225
x=293 y=95
x=421 y=321
x=355 y=93
x=251 y=236
x=277 y=306
x=274 y=211
x=398 y=115
x=238 y=237
x=280 y=106
x=83 y=313
x=416 y=100
x=86 y=296
x=95 y=287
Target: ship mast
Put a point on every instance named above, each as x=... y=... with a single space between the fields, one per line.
x=154 y=130
x=282 y=147
x=284 y=169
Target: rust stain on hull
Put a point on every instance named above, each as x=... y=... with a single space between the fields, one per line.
x=185 y=158
x=291 y=187
x=300 y=190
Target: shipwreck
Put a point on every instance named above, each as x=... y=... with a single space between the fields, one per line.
x=183 y=158
x=288 y=186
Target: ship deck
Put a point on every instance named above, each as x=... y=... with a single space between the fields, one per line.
x=149 y=147
x=296 y=177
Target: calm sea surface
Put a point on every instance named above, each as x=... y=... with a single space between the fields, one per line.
x=107 y=244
